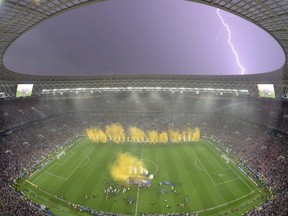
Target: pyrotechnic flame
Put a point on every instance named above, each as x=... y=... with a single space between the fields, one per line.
x=136 y=134
x=115 y=133
x=175 y=136
x=126 y=165
x=96 y=135
x=196 y=135
x=153 y=136
x=163 y=137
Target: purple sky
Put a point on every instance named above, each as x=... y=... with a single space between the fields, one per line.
x=143 y=37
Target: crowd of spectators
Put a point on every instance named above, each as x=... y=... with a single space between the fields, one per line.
x=20 y=111
x=22 y=150
x=43 y=125
x=14 y=204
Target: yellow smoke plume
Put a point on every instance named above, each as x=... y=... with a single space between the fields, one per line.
x=102 y=137
x=196 y=135
x=115 y=133
x=184 y=136
x=175 y=136
x=96 y=135
x=125 y=166
x=90 y=134
x=163 y=137
x=153 y=136
x=189 y=134
x=136 y=134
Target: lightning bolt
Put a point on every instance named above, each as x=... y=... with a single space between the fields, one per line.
x=230 y=43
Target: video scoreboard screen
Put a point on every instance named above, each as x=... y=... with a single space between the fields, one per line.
x=266 y=90
x=24 y=90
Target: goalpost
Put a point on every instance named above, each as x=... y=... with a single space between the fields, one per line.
x=226 y=158
x=60 y=155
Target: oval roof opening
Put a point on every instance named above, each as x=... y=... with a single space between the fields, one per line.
x=130 y=37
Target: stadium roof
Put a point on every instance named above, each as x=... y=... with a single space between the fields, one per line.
x=18 y=16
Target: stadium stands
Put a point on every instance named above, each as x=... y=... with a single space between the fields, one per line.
x=254 y=130
x=43 y=125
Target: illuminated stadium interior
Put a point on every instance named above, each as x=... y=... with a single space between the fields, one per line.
x=136 y=139
x=144 y=38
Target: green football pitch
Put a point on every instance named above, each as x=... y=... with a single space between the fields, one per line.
x=204 y=183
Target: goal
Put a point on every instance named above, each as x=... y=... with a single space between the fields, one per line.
x=226 y=158
x=60 y=155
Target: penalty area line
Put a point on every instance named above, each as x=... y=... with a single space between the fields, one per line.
x=220 y=164
x=79 y=166
x=65 y=159
x=54 y=162
x=204 y=169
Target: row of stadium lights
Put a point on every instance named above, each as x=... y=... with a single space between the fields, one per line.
x=2 y=95
x=145 y=89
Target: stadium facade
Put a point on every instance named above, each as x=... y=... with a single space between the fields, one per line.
x=18 y=17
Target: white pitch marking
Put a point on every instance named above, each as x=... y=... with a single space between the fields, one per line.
x=218 y=206
x=220 y=164
x=65 y=160
x=205 y=169
x=154 y=165
x=232 y=169
x=198 y=166
x=138 y=187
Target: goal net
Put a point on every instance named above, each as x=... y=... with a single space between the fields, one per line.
x=225 y=158
x=60 y=155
